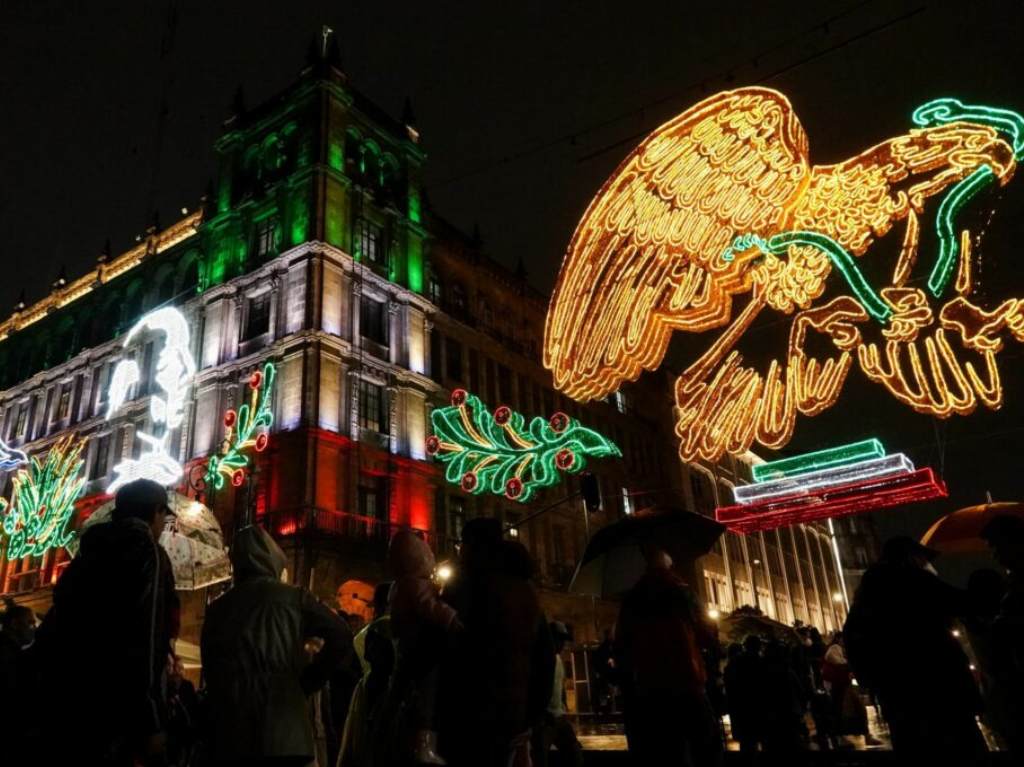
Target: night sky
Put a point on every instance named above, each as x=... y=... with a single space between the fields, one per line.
x=523 y=114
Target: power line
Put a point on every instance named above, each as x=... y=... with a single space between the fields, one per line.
x=728 y=75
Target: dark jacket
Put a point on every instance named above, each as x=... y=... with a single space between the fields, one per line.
x=504 y=660
x=657 y=640
x=899 y=639
x=105 y=641
x=257 y=671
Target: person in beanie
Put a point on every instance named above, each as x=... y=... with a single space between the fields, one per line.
x=106 y=640
x=258 y=674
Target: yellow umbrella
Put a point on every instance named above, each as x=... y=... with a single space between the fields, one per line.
x=960 y=531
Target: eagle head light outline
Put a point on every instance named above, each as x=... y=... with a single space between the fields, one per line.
x=721 y=204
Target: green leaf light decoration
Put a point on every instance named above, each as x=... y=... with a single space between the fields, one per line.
x=498 y=452
x=35 y=519
x=249 y=427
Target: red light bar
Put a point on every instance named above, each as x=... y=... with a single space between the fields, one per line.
x=854 y=498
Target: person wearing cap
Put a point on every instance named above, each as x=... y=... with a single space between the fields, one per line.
x=556 y=729
x=900 y=644
x=105 y=642
x=1005 y=535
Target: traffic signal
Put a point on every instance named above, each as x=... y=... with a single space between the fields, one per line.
x=590 y=489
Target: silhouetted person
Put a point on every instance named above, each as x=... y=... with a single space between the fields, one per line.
x=375 y=650
x=742 y=680
x=17 y=632
x=667 y=715
x=782 y=709
x=1005 y=534
x=107 y=638
x=985 y=591
x=498 y=679
x=422 y=625
x=556 y=729
x=899 y=642
x=602 y=672
x=254 y=659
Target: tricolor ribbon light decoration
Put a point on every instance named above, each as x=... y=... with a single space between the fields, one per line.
x=248 y=427
x=36 y=518
x=847 y=479
x=498 y=452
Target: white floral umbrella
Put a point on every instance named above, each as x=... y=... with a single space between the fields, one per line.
x=192 y=539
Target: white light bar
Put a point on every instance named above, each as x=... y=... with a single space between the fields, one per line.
x=803 y=484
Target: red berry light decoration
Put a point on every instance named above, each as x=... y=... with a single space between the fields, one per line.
x=502 y=415
x=469 y=482
x=247 y=428
x=230 y=418
x=433 y=445
x=565 y=459
x=559 y=422
x=256 y=379
x=513 y=488
x=459 y=397
x=262 y=440
x=238 y=477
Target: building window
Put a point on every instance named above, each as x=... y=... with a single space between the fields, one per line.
x=504 y=384
x=627 y=502
x=101 y=457
x=435 y=354
x=22 y=422
x=266 y=237
x=458 y=298
x=64 y=403
x=373 y=498
x=373 y=322
x=372 y=413
x=486 y=315
x=257 y=316
x=147 y=369
x=456 y=517
x=619 y=401
x=434 y=292
x=370 y=243
x=453 y=359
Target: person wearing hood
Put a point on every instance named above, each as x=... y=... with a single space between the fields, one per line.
x=106 y=640
x=17 y=632
x=421 y=624
x=255 y=663
x=899 y=643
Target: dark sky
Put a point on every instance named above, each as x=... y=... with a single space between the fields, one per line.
x=524 y=109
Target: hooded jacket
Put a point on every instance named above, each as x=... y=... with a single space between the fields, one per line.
x=416 y=605
x=253 y=647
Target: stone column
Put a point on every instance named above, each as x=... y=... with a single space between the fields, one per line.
x=392 y=418
x=353 y=404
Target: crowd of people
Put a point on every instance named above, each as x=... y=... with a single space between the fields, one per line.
x=472 y=674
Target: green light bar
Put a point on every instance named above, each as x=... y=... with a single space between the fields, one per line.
x=821 y=459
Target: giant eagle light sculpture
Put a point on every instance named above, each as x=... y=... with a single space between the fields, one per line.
x=721 y=205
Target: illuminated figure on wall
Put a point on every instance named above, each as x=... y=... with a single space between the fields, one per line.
x=175 y=368
x=722 y=204
x=11 y=458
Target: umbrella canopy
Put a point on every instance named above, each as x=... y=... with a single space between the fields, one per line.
x=192 y=539
x=612 y=562
x=960 y=531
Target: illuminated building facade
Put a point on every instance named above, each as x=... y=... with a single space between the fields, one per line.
x=315 y=251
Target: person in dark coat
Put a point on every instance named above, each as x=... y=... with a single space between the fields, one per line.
x=899 y=643
x=556 y=729
x=258 y=675
x=1005 y=534
x=497 y=679
x=667 y=715
x=106 y=640
x=781 y=700
x=17 y=632
x=742 y=682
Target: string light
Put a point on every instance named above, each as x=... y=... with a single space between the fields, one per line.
x=500 y=453
x=818 y=460
x=175 y=369
x=249 y=427
x=722 y=201
x=43 y=496
x=837 y=475
x=11 y=458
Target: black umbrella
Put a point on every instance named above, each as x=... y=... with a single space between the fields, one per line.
x=612 y=562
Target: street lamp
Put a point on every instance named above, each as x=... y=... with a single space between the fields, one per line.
x=837 y=597
x=713 y=614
